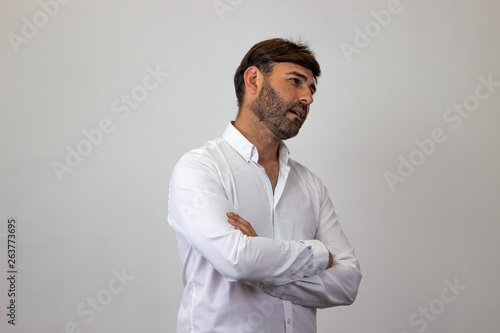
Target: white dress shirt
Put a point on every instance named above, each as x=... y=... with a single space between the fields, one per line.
x=272 y=283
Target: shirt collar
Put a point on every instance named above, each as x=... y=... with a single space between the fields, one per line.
x=246 y=149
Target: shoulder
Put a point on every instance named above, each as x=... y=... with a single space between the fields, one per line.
x=208 y=150
x=207 y=157
x=303 y=171
x=305 y=175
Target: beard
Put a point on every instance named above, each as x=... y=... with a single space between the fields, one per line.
x=272 y=109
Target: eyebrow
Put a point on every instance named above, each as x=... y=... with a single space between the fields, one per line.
x=312 y=86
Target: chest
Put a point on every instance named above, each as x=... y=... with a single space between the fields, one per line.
x=290 y=213
x=272 y=171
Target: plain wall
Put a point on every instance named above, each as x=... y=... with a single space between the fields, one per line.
x=403 y=132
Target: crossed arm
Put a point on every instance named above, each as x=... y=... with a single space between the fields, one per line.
x=246 y=228
x=320 y=272
x=336 y=285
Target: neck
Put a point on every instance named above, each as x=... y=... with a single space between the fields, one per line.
x=259 y=135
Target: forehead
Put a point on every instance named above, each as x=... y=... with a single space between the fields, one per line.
x=283 y=68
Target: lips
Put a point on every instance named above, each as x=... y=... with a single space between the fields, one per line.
x=300 y=112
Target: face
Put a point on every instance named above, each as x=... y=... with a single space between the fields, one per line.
x=284 y=99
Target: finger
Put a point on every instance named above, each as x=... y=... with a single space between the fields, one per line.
x=236 y=217
x=236 y=220
x=246 y=230
x=241 y=224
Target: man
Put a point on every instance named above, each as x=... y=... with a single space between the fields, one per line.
x=259 y=241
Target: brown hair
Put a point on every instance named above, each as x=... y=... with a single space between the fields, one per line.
x=263 y=55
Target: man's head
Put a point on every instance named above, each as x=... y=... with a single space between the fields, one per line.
x=266 y=54
x=275 y=83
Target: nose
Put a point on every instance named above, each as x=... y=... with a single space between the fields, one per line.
x=306 y=96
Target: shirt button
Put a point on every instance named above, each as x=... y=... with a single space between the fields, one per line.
x=288 y=321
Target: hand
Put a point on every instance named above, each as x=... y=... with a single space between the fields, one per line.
x=330 y=260
x=240 y=224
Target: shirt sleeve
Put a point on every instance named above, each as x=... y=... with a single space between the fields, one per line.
x=197 y=212
x=335 y=286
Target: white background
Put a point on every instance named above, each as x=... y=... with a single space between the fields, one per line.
x=107 y=216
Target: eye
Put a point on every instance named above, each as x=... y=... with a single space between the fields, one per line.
x=295 y=80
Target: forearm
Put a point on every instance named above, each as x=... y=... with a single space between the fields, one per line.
x=335 y=286
x=257 y=260
x=198 y=214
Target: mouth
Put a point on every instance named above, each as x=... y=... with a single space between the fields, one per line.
x=299 y=112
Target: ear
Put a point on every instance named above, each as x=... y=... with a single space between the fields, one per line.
x=252 y=78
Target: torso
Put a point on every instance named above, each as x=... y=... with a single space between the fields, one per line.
x=273 y=171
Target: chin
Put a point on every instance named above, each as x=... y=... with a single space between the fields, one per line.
x=287 y=135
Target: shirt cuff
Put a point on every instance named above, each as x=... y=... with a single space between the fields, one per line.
x=321 y=255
